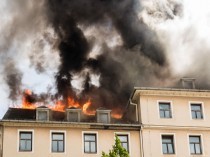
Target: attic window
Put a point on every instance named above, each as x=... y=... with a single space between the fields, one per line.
x=188 y=83
x=42 y=115
x=73 y=115
x=103 y=116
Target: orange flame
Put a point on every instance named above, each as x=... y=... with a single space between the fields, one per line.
x=25 y=103
x=117 y=113
x=60 y=105
x=86 y=109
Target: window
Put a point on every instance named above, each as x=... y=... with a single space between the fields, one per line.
x=165 y=110
x=58 y=142
x=103 y=118
x=25 y=141
x=42 y=115
x=124 y=141
x=90 y=143
x=168 y=144
x=196 y=111
x=195 y=145
x=73 y=117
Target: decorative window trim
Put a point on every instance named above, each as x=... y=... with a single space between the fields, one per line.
x=97 y=139
x=174 y=140
x=171 y=107
x=18 y=140
x=42 y=110
x=57 y=131
x=202 y=144
x=202 y=107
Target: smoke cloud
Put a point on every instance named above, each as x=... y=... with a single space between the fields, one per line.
x=100 y=50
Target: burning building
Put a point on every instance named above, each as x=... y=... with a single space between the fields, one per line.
x=157 y=122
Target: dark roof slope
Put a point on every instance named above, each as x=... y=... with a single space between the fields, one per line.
x=20 y=114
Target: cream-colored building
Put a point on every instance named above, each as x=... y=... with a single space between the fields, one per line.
x=160 y=122
x=46 y=133
x=174 y=122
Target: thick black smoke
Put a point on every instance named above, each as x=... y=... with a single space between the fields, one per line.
x=65 y=17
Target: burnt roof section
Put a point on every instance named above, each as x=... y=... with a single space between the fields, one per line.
x=20 y=114
x=30 y=114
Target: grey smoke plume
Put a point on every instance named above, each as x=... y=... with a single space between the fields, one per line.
x=101 y=49
x=13 y=78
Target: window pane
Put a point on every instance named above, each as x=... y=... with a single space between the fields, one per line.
x=42 y=115
x=73 y=116
x=89 y=137
x=167 y=114
x=60 y=146
x=123 y=138
x=57 y=136
x=93 y=147
x=54 y=146
x=193 y=115
x=28 y=145
x=103 y=118
x=87 y=148
x=199 y=115
x=166 y=140
x=22 y=145
x=164 y=147
x=162 y=114
x=196 y=107
x=192 y=149
x=197 y=148
x=165 y=106
x=170 y=149
x=194 y=139
x=25 y=135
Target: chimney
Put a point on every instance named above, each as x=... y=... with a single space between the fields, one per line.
x=43 y=113
x=103 y=115
x=73 y=114
x=188 y=83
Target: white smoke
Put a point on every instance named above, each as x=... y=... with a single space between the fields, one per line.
x=184 y=32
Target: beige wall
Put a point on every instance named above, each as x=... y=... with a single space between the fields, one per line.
x=153 y=147
x=181 y=125
x=181 y=113
x=74 y=142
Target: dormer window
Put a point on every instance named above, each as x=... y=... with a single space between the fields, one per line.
x=42 y=114
x=73 y=115
x=103 y=115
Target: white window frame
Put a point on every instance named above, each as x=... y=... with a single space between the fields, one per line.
x=18 y=140
x=174 y=138
x=129 y=139
x=97 y=142
x=202 y=144
x=58 y=131
x=171 y=107
x=202 y=107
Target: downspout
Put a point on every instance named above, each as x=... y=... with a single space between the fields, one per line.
x=141 y=141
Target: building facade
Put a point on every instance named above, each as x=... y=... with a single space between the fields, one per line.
x=174 y=122
x=42 y=132
x=160 y=122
